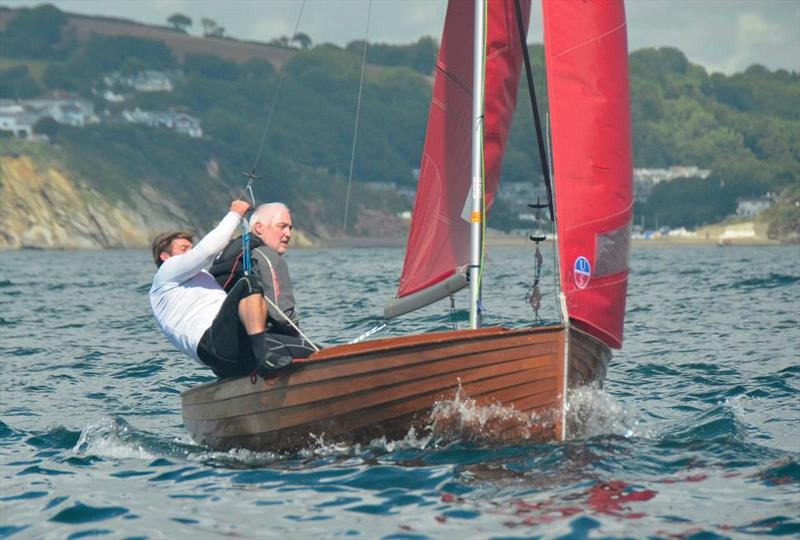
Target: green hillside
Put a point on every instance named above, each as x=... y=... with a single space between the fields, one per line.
x=744 y=127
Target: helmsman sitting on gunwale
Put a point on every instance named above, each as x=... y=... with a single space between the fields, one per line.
x=224 y=332
x=271 y=229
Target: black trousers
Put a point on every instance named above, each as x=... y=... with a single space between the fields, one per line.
x=225 y=346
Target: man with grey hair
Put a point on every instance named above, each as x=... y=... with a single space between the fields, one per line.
x=271 y=229
x=226 y=332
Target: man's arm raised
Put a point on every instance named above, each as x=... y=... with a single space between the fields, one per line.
x=182 y=267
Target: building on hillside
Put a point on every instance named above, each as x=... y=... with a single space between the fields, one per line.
x=20 y=116
x=179 y=122
x=148 y=80
x=752 y=206
x=187 y=125
x=407 y=191
x=113 y=97
x=382 y=186
x=16 y=120
x=645 y=179
x=75 y=112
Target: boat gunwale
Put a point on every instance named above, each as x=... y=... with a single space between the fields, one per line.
x=398 y=344
x=381 y=370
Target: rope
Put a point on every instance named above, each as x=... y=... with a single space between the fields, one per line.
x=247 y=264
x=274 y=101
x=355 y=128
x=374 y=330
x=291 y=323
x=535 y=295
x=553 y=226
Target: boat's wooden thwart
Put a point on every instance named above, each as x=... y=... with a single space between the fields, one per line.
x=355 y=393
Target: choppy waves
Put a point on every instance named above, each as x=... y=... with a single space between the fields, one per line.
x=693 y=435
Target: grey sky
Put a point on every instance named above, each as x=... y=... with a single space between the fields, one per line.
x=722 y=35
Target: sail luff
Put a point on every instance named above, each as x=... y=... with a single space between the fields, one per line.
x=587 y=78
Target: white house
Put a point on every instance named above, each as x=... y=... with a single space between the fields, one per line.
x=187 y=125
x=19 y=124
x=19 y=117
x=752 y=206
x=180 y=122
x=73 y=112
x=644 y=179
x=148 y=80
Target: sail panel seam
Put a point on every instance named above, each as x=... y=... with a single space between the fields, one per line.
x=598 y=220
x=592 y=40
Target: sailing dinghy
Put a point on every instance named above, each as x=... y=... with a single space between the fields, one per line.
x=384 y=387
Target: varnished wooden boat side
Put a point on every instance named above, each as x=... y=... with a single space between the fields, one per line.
x=332 y=364
x=269 y=391
x=588 y=359
x=379 y=388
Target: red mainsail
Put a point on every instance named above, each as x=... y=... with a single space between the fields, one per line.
x=438 y=242
x=587 y=79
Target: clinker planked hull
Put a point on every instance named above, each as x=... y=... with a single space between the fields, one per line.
x=354 y=393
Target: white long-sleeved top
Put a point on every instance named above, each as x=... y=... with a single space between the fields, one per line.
x=184 y=297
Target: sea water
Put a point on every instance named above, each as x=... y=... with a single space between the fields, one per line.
x=696 y=433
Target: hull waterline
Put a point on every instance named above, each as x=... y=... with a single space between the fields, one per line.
x=383 y=388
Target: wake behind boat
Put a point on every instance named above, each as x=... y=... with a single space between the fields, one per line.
x=384 y=387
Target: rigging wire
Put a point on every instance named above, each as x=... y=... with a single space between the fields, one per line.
x=483 y=159
x=535 y=109
x=553 y=226
x=252 y=174
x=291 y=322
x=358 y=115
x=545 y=155
x=374 y=330
x=453 y=312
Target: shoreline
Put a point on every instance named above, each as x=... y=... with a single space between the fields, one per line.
x=492 y=242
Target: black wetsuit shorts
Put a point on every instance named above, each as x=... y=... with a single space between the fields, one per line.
x=225 y=346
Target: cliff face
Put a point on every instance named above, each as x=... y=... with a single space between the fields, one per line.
x=44 y=207
x=41 y=207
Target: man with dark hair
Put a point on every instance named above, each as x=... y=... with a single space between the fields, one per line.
x=163 y=243
x=223 y=332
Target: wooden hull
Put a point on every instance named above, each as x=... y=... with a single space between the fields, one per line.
x=355 y=393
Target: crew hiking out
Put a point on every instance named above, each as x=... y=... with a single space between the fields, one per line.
x=224 y=332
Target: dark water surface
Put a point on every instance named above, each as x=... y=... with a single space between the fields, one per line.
x=696 y=434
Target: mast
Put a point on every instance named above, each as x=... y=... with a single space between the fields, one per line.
x=476 y=216
x=464 y=145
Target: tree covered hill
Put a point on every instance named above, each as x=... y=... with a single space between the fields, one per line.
x=744 y=127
